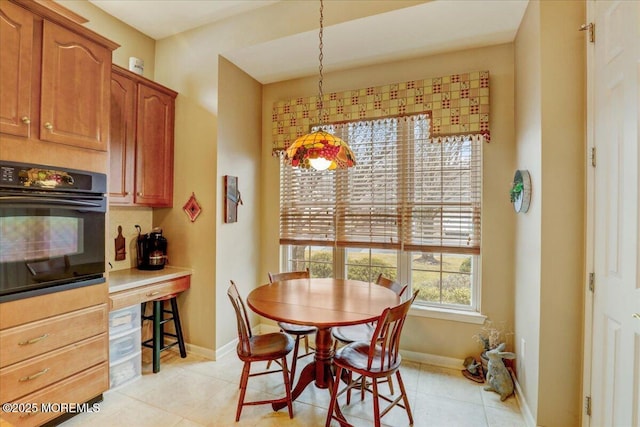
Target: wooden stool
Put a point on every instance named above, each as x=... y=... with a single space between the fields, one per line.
x=157 y=317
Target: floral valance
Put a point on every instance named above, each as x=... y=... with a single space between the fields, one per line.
x=458 y=105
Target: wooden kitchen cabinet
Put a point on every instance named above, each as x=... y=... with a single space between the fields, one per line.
x=16 y=33
x=122 y=146
x=74 y=100
x=141 y=143
x=54 y=348
x=55 y=76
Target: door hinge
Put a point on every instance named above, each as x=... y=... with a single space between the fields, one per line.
x=591 y=28
x=587 y=405
x=592 y=281
x=593 y=156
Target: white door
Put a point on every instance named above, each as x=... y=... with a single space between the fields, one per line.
x=615 y=364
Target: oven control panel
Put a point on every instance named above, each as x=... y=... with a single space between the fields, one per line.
x=17 y=175
x=8 y=175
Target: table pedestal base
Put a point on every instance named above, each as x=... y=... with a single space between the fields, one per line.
x=318 y=371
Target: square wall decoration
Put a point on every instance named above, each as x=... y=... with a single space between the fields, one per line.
x=231 y=198
x=192 y=208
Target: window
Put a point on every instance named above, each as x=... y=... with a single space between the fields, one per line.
x=411 y=209
x=318 y=259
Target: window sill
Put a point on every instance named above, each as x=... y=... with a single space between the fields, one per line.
x=448 y=314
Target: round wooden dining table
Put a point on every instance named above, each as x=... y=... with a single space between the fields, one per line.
x=323 y=303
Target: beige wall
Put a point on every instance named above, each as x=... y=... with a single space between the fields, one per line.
x=550 y=134
x=427 y=335
x=527 y=232
x=239 y=133
x=563 y=58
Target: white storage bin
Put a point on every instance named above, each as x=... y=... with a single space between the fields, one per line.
x=123 y=320
x=125 y=371
x=124 y=345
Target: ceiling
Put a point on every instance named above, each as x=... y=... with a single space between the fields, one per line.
x=426 y=29
x=161 y=18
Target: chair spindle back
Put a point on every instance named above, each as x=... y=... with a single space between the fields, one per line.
x=289 y=275
x=396 y=287
x=242 y=319
x=385 y=341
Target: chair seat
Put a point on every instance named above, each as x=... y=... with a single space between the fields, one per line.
x=293 y=329
x=353 y=333
x=267 y=347
x=355 y=357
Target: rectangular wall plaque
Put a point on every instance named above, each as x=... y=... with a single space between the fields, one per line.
x=231 y=198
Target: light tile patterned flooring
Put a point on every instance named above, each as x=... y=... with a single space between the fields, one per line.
x=198 y=392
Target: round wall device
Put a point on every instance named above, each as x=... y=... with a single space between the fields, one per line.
x=522 y=198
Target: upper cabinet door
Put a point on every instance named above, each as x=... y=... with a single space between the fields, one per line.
x=16 y=36
x=122 y=140
x=74 y=104
x=154 y=147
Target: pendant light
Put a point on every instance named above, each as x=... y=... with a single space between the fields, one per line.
x=320 y=150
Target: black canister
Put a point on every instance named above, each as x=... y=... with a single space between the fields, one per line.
x=152 y=250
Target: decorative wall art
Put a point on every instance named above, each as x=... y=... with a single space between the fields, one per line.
x=520 y=193
x=232 y=198
x=192 y=208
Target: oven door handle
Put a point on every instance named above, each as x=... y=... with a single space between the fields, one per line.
x=50 y=201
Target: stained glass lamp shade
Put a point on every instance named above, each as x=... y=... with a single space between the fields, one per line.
x=320 y=150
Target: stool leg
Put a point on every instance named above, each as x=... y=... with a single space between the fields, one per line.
x=178 y=327
x=157 y=334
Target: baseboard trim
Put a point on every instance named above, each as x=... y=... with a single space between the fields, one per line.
x=412 y=356
x=524 y=407
x=207 y=353
x=432 y=359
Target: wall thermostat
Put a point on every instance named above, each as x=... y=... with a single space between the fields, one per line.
x=136 y=65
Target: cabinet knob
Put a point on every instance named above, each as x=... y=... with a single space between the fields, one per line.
x=26 y=120
x=139 y=193
x=48 y=126
x=126 y=193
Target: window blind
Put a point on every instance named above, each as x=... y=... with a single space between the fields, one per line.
x=405 y=192
x=307 y=206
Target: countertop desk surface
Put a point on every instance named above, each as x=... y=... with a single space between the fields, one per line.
x=121 y=280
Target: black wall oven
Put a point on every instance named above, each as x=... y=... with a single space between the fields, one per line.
x=52 y=229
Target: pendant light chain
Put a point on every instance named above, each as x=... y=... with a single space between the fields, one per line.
x=320 y=57
x=319 y=149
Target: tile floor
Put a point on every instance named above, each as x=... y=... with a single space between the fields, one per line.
x=198 y=392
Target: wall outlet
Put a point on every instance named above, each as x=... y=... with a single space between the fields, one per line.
x=523 y=347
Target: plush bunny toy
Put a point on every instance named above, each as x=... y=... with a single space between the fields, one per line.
x=498 y=377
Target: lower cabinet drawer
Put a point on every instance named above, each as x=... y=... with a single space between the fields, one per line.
x=124 y=320
x=125 y=370
x=129 y=297
x=26 y=377
x=27 y=310
x=124 y=345
x=22 y=342
x=79 y=388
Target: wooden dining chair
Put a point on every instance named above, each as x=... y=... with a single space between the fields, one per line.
x=297 y=331
x=363 y=332
x=375 y=359
x=259 y=348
